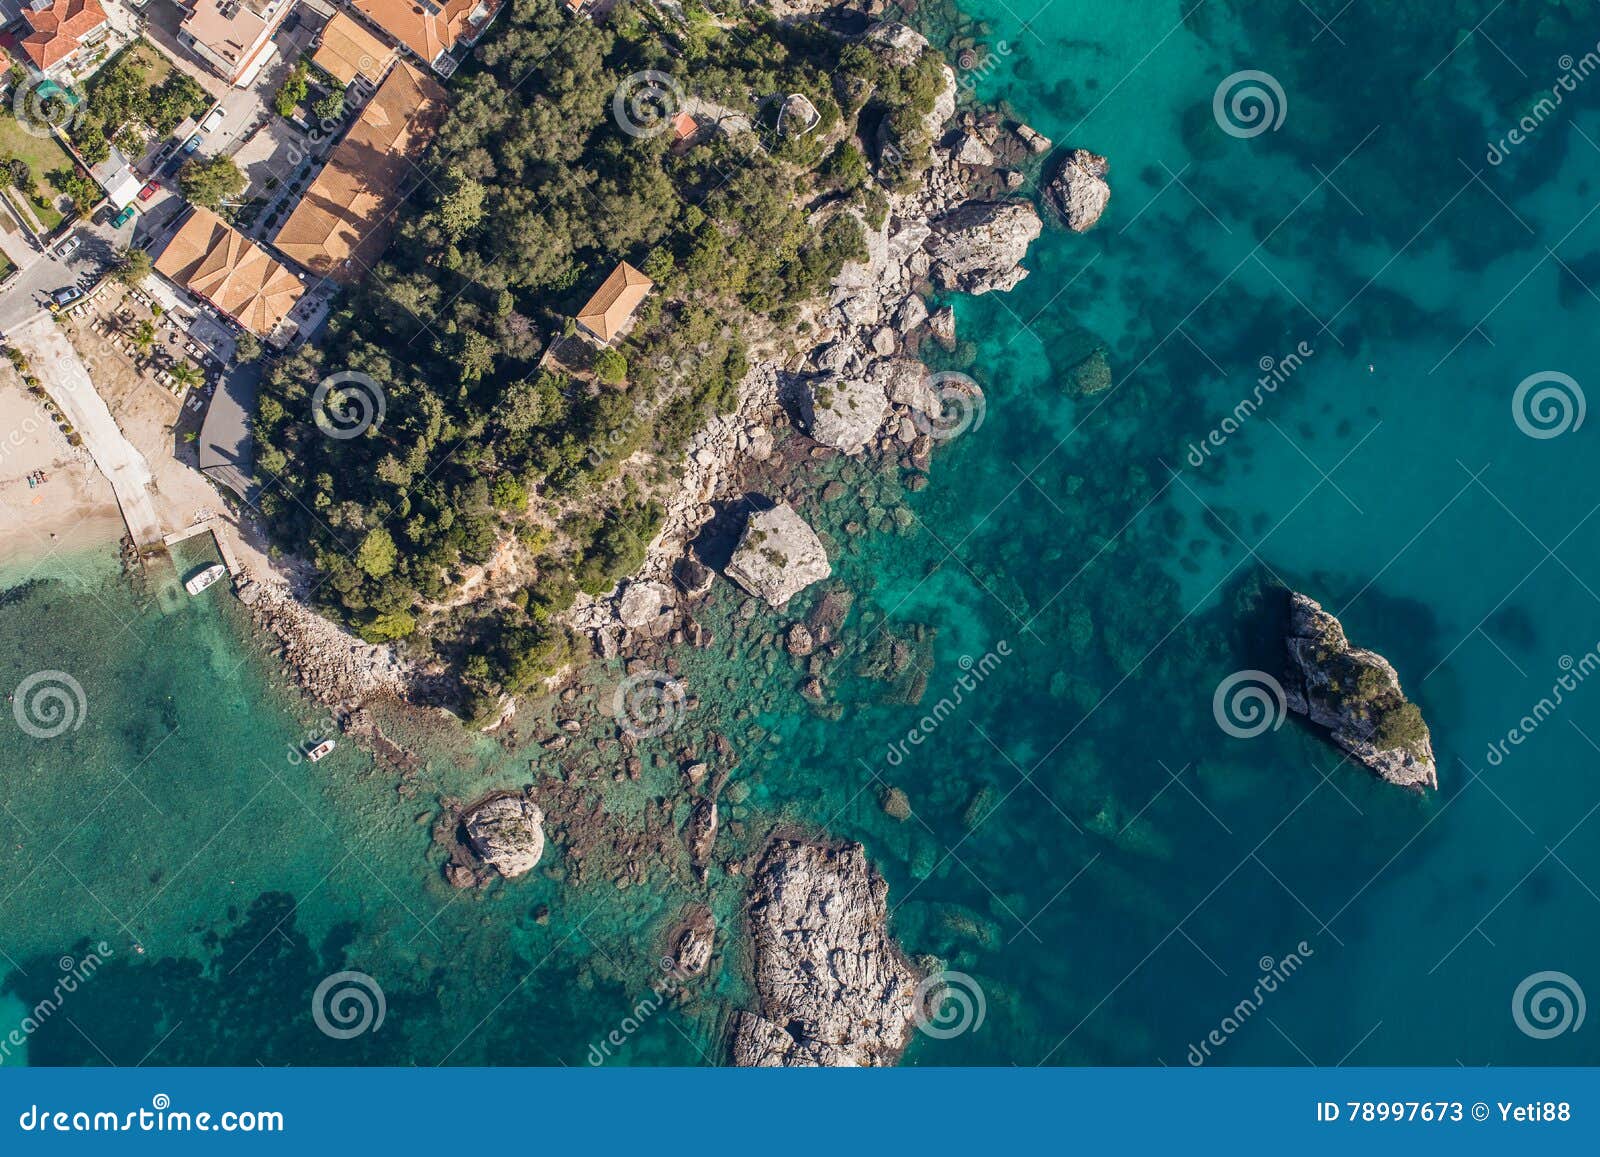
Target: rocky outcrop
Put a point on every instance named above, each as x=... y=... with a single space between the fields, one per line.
x=979 y=247
x=895 y=42
x=842 y=411
x=327 y=661
x=508 y=833
x=832 y=987
x=778 y=556
x=692 y=947
x=1078 y=191
x=1356 y=695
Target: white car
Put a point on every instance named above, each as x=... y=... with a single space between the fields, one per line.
x=68 y=247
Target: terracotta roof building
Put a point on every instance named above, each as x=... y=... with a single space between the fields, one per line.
x=212 y=260
x=234 y=37
x=348 y=50
x=55 y=30
x=611 y=308
x=341 y=224
x=431 y=30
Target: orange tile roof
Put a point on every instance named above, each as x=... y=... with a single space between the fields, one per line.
x=54 y=32
x=213 y=260
x=614 y=302
x=425 y=27
x=341 y=225
x=348 y=50
x=684 y=126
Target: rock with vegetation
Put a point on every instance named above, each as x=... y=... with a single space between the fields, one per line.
x=844 y=411
x=1091 y=376
x=1356 y=695
x=978 y=247
x=508 y=833
x=1078 y=191
x=778 y=556
x=832 y=988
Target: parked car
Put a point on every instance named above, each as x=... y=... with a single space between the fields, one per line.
x=149 y=190
x=209 y=125
x=68 y=247
x=66 y=296
x=122 y=218
x=191 y=144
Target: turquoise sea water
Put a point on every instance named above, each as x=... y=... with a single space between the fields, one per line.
x=1113 y=870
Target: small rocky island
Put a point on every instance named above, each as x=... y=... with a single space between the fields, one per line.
x=778 y=556
x=1356 y=695
x=508 y=833
x=834 y=988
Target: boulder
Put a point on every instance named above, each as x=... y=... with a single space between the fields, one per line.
x=895 y=42
x=842 y=411
x=942 y=325
x=905 y=382
x=691 y=954
x=912 y=314
x=1078 y=192
x=693 y=577
x=778 y=556
x=832 y=988
x=1036 y=141
x=978 y=247
x=970 y=150
x=1090 y=376
x=1356 y=695
x=646 y=606
x=508 y=833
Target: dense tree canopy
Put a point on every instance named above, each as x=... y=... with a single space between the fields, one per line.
x=534 y=192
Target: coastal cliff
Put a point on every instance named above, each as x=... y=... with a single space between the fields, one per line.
x=1356 y=695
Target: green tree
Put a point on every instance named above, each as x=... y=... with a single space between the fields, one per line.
x=377 y=555
x=610 y=367
x=461 y=206
x=210 y=181
x=293 y=91
x=330 y=109
x=133 y=266
x=144 y=337
x=247 y=348
x=186 y=376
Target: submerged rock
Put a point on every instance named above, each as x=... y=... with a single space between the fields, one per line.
x=778 y=556
x=979 y=247
x=1078 y=191
x=833 y=988
x=508 y=834
x=1356 y=695
x=1090 y=376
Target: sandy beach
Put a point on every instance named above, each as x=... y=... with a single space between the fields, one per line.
x=72 y=510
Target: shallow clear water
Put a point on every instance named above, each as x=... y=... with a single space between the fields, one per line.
x=1113 y=870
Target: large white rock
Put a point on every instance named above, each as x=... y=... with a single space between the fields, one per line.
x=979 y=247
x=844 y=411
x=508 y=834
x=778 y=556
x=1079 y=191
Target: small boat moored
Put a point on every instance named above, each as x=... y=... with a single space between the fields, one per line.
x=320 y=750
x=205 y=578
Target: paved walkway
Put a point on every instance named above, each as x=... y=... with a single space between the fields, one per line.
x=66 y=379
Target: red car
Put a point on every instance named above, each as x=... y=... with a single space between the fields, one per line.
x=149 y=190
